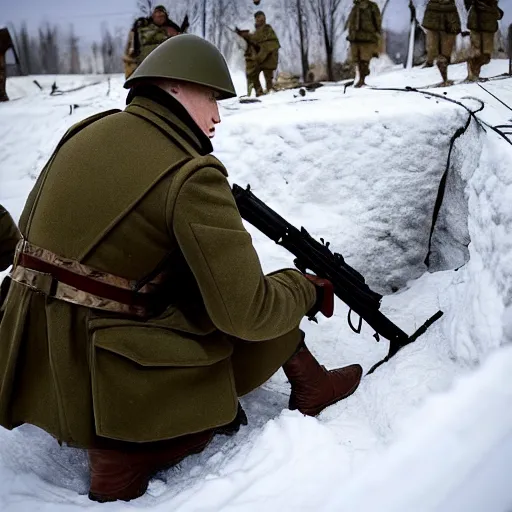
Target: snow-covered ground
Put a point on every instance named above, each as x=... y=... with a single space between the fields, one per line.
x=429 y=431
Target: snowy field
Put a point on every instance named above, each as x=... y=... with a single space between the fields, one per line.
x=429 y=431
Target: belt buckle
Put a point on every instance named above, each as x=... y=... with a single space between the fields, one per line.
x=44 y=283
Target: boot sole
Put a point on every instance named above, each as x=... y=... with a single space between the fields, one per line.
x=141 y=490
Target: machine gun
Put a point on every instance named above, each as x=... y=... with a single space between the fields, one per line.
x=349 y=285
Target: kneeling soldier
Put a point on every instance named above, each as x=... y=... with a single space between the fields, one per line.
x=138 y=312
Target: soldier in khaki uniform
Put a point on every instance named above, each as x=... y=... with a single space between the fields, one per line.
x=364 y=31
x=483 y=20
x=442 y=23
x=138 y=311
x=147 y=34
x=266 y=45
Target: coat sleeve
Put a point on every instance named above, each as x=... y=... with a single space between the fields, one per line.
x=240 y=300
x=9 y=236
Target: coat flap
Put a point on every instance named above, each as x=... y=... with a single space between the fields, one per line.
x=150 y=346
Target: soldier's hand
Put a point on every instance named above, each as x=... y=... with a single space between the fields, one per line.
x=324 y=296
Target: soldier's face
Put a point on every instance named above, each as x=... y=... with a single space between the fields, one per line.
x=259 y=21
x=159 y=18
x=201 y=104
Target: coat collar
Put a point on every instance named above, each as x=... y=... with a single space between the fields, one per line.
x=161 y=104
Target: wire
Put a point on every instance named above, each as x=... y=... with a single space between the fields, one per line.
x=445 y=98
x=495 y=97
x=460 y=131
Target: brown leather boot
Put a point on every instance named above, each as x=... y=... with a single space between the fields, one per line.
x=442 y=65
x=364 y=71
x=125 y=474
x=472 y=77
x=313 y=387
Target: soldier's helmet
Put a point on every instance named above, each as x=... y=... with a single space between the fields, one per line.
x=161 y=8
x=187 y=58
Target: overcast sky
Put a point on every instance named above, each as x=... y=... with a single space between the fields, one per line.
x=87 y=17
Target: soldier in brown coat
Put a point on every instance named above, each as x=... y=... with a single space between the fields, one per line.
x=138 y=311
x=483 y=17
x=263 y=45
x=364 y=31
x=442 y=23
x=147 y=34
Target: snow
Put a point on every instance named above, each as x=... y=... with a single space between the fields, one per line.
x=431 y=430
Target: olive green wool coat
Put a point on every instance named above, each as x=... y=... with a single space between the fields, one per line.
x=127 y=193
x=484 y=15
x=442 y=16
x=364 y=22
x=266 y=39
x=150 y=38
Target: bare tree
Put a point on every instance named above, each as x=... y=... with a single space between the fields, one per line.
x=327 y=16
x=221 y=15
x=95 y=55
x=190 y=8
x=25 y=50
x=49 y=50
x=108 y=52
x=297 y=11
x=145 y=7
x=74 y=53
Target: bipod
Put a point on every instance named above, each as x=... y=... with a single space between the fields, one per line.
x=393 y=349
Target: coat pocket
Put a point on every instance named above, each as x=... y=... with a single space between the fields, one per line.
x=150 y=384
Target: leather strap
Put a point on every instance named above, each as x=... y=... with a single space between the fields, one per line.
x=85 y=283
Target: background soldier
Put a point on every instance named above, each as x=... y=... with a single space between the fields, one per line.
x=147 y=34
x=364 y=30
x=266 y=45
x=442 y=24
x=483 y=19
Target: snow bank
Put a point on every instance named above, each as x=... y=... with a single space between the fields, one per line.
x=363 y=175
x=453 y=456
